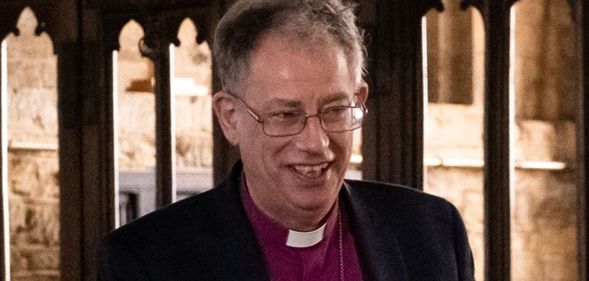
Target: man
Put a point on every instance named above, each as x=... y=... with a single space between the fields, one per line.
x=291 y=72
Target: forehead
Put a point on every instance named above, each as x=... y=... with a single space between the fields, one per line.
x=284 y=69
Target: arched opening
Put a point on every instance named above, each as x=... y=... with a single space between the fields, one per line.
x=454 y=54
x=192 y=89
x=33 y=160
x=134 y=126
x=545 y=88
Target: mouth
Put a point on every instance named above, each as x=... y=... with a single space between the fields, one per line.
x=310 y=171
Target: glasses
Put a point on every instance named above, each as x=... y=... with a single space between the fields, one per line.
x=285 y=123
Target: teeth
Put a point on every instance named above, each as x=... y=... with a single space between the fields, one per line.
x=310 y=168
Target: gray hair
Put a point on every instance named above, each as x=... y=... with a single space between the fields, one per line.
x=311 y=21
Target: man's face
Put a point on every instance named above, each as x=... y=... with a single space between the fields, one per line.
x=301 y=174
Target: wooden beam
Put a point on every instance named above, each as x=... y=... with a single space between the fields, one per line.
x=392 y=141
x=497 y=137
x=156 y=46
x=581 y=12
x=224 y=153
x=165 y=131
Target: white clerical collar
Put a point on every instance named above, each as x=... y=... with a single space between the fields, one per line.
x=298 y=239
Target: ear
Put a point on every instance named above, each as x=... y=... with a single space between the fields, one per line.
x=224 y=108
x=362 y=93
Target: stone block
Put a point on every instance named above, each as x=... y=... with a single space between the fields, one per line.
x=40 y=226
x=473 y=213
x=545 y=198
x=130 y=71
x=23 y=177
x=137 y=152
x=194 y=114
x=194 y=151
x=526 y=267
x=34 y=173
x=545 y=141
x=28 y=259
x=18 y=217
x=453 y=131
x=557 y=241
x=37 y=276
x=453 y=183
x=33 y=115
x=544 y=226
x=137 y=114
x=559 y=268
x=477 y=245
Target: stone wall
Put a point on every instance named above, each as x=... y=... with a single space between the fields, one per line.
x=34 y=215
x=543 y=219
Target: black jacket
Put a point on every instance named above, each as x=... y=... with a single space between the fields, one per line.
x=401 y=234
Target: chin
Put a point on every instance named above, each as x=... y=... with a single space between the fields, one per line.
x=313 y=199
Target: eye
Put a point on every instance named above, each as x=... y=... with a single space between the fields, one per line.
x=335 y=110
x=286 y=116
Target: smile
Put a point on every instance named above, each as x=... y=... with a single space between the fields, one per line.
x=310 y=170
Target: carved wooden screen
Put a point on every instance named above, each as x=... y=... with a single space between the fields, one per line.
x=393 y=149
x=86 y=32
x=581 y=12
x=393 y=140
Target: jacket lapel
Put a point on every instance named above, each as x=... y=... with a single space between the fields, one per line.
x=381 y=259
x=240 y=254
x=241 y=257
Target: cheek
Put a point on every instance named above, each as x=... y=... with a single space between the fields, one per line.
x=341 y=143
x=265 y=150
x=250 y=134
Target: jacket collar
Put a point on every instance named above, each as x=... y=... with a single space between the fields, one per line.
x=241 y=255
x=381 y=259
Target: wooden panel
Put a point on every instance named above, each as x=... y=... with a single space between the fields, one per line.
x=224 y=153
x=498 y=166
x=393 y=135
x=9 y=15
x=71 y=200
x=165 y=131
x=581 y=9
x=154 y=6
x=497 y=170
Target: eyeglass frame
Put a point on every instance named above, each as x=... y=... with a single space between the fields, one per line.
x=258 y=117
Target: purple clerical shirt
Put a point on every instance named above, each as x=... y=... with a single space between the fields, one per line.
x=323 y=261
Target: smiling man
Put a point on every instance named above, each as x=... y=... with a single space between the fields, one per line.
x=293 y=92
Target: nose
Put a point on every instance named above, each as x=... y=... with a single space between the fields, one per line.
x=313 y=138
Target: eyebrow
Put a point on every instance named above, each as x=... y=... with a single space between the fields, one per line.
x=283 y=103
x=298 y=104
x=334 y=98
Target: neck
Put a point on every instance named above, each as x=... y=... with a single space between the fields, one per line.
x=294 y=218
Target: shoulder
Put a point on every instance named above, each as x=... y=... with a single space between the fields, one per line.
x=402 y=206
x=177 y=217
x=420 y=222
x=196 y=218
x=168 y=227
x=393 y=194
x=157 y=244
